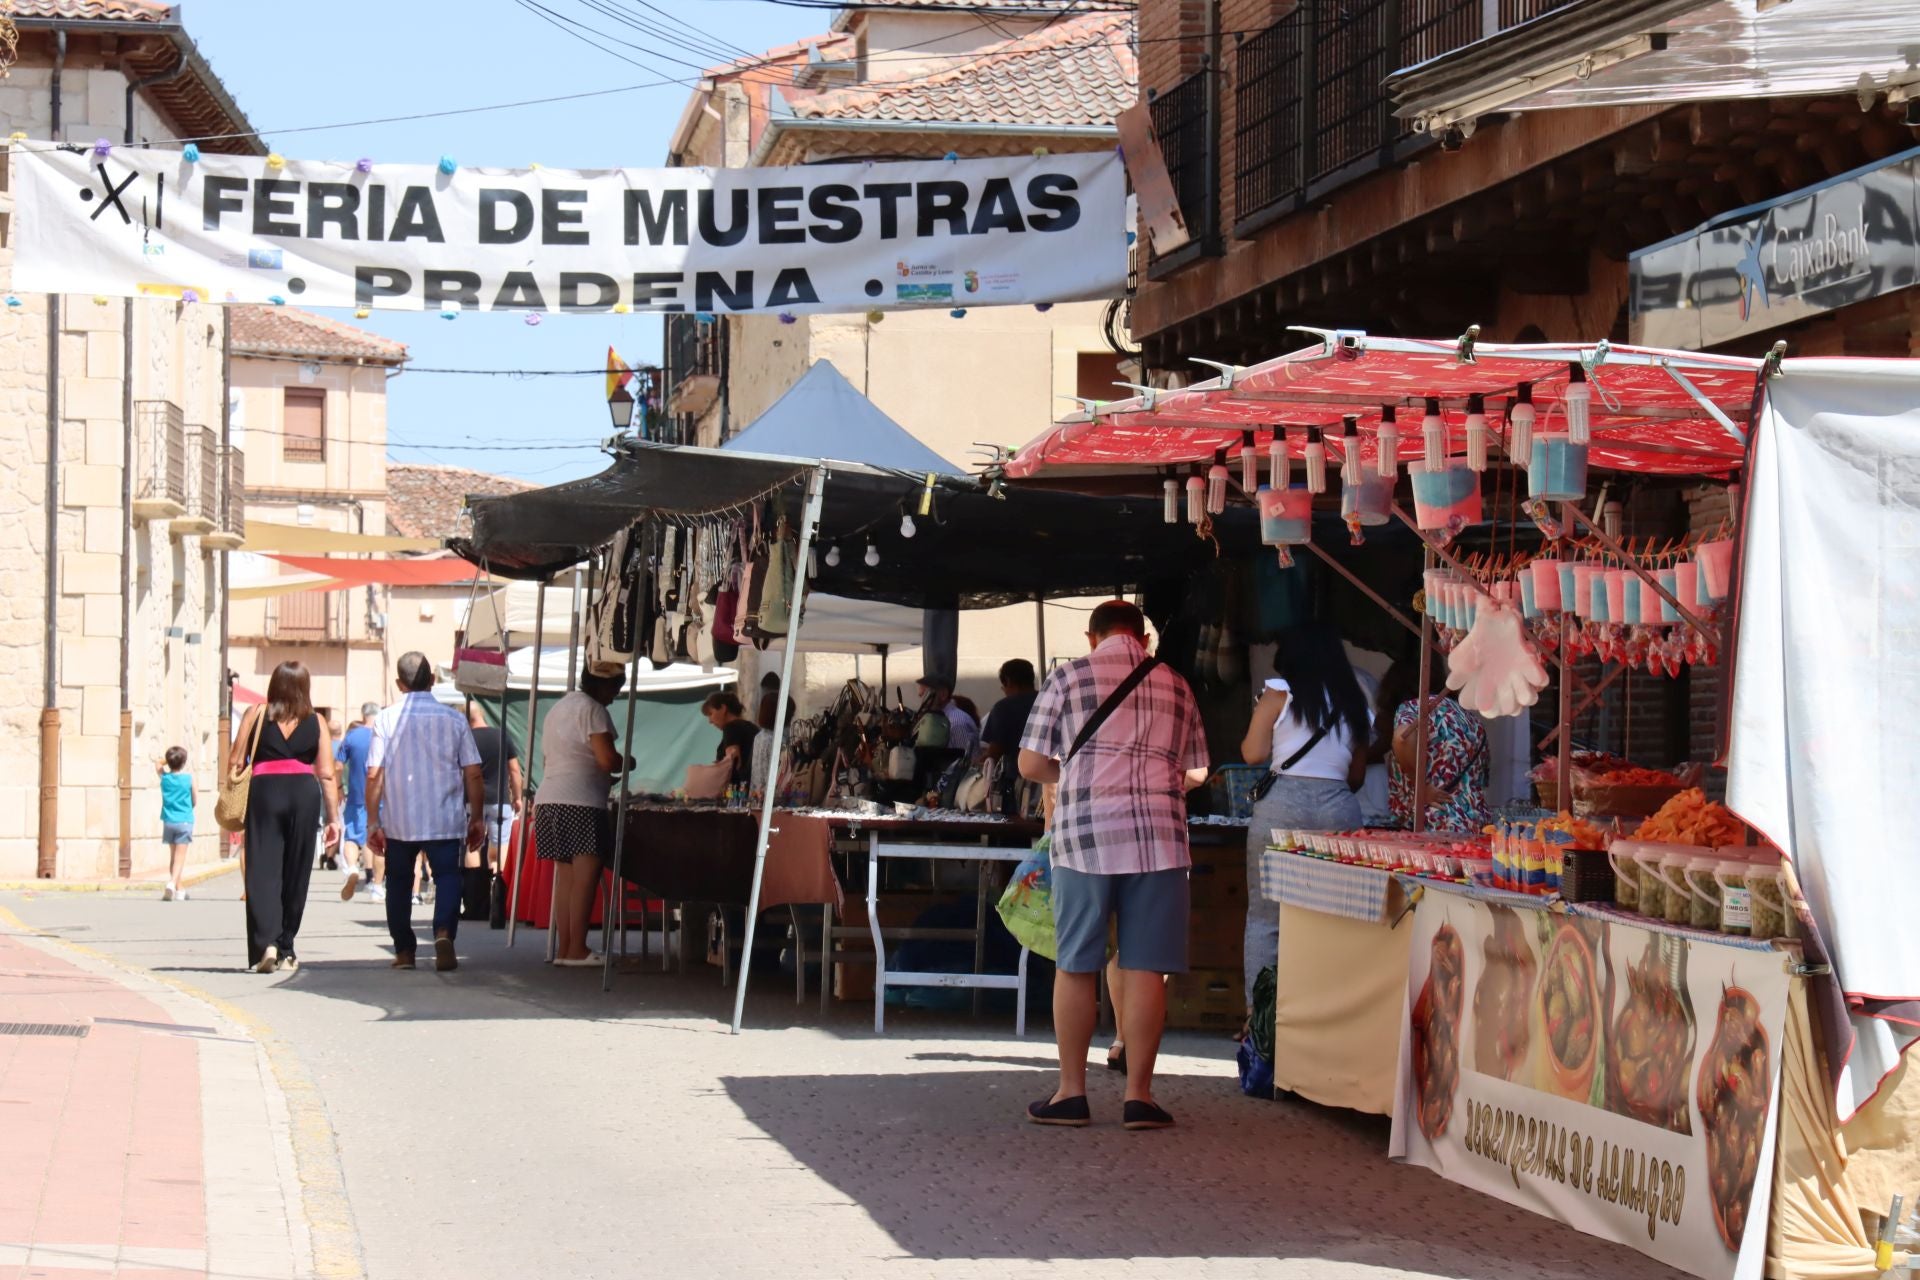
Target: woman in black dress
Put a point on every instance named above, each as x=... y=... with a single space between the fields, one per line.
x=292 y=778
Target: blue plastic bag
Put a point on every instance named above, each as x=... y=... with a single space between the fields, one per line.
x=1026 y=907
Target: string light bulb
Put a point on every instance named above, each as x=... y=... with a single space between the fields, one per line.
x=873 y=556
x=1350 y=451
x=1476 y=433
x=906 y=526
x=1520 y=416
x=1170 y=501
x=1280 y=460
x=1196 y=499
x=1217 y=488
x=1579 y=405
x=1249 y=467
x=1433 y=428
x=1387 y=461
x=1316 y=461
x=833 y=556
x=813 y=562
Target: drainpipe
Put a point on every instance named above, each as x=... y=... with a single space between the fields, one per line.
x=47 y=864
x=224 y=560
x=1213 y=73
x=125 y=868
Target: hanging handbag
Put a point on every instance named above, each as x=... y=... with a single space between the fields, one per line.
x=482 y=671
x=230 y=809
x=776 y=598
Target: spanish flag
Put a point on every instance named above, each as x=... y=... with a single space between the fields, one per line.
x=619 y=373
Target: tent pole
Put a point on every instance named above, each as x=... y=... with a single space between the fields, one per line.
x=883 y=675
x=1420 y=713
x=1040 y=637
x=609 y=928
x=816 y=492
x=533 y=717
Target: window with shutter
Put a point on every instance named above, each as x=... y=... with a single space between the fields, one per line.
x=303 y=425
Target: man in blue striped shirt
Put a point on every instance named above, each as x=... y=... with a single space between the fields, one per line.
x=424 y=796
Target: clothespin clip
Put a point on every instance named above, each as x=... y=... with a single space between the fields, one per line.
x=1463 y=348
x=1228 y=372
x=1770 y=367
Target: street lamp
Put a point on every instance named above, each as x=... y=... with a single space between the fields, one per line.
x=620 y=405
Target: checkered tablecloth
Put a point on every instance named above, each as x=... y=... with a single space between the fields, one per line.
x=1331 y=888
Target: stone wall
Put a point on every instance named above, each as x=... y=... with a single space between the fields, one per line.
x=171 y=581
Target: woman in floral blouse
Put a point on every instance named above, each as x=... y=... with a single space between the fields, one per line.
x=1458 y=764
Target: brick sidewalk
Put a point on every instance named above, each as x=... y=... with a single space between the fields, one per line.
x=102 y=1097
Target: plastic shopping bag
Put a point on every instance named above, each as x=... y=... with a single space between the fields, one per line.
x=1026 y=908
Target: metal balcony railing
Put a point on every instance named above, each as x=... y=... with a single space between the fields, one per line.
x=232 y=517
x=201 y=463
x=1185 y=129
x=1309 y=109
x=160 y=459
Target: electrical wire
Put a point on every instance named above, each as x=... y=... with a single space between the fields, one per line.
x=587 y=35
x=702 y=44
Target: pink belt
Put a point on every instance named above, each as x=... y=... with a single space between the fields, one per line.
x=279 y=768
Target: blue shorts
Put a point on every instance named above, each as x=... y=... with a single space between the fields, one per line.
x=1150 y=911
x=353 y=824
x=174 y=833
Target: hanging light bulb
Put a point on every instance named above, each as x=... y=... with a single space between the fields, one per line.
x=1249 y=466
x=1217 y=488
x=1316 y=461
x=1520 y=425
x=813 y=562
x=833 y=556
x=1170 y=501
x=1280 y=460
x=1387 y=463
x=1434 y=428
x=1350 y=451
x=906 y=526
x=873 y=556
x=1476 y=433
x=1196 y=499
x=1579 y=406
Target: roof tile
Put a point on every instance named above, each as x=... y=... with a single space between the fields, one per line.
x=93 y=10
x=289 y=331
x=427 y=501
x=1077 y=72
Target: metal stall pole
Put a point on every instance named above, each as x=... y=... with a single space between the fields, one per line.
x=617 y=904
x=529 y=793
x=816 y=492
x=1563 y=765
x=1040 y=638
x=1420 y=712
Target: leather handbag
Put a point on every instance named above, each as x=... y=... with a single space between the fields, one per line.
x=709 y=781
x=230 y=809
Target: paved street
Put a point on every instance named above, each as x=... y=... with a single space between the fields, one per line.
x=509 y=1120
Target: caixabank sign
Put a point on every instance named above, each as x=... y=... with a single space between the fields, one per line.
x=1816 y=250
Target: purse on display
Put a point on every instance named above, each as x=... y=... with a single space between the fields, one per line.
x=709 y=781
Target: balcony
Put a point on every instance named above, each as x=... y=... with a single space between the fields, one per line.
x=1310 y=112
x=1183 y=123
x=202 y=466
x=230 y=518
x=160 y=460
x=305 y=617
x=696 y=363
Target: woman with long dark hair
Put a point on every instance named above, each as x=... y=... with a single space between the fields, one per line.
x=1310 y=728
x=292 y=780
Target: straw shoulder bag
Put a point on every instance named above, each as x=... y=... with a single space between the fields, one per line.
x=230 y=810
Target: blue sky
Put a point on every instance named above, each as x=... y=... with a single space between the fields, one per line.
x=348 y=60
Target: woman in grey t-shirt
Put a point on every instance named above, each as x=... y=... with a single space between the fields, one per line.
x=572 y=825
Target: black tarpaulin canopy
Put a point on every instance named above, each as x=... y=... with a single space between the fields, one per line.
x=972 y=551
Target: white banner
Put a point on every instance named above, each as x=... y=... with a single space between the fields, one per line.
x=831 y=237
x=1618 y=1079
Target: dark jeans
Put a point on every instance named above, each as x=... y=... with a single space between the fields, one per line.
x=443 y=859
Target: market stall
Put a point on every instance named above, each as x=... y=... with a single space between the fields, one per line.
x=1585 y=1031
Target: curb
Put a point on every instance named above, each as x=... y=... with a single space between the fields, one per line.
x=323 y=1193
x=193 y=877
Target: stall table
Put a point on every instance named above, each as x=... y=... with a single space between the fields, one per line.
x=1341 y=969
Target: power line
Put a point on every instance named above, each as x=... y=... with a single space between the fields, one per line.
x=703 y=44
x=586 y=35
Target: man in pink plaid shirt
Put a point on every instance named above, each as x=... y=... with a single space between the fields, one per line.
x=1119 y=848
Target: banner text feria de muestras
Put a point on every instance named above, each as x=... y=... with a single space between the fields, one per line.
x=841 y=237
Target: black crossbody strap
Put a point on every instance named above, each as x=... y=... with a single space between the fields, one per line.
x=1112 y=704
x=1301 y=754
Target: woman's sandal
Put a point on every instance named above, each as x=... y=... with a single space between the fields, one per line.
x=1117 y=1059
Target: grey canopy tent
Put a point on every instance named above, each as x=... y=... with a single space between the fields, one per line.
x=825 y=415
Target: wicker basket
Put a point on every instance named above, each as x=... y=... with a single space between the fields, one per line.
x=1586 y=875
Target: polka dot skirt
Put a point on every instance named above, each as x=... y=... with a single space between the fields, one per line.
x=563 y=832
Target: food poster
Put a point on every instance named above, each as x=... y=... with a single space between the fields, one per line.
x=1618 y=1079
